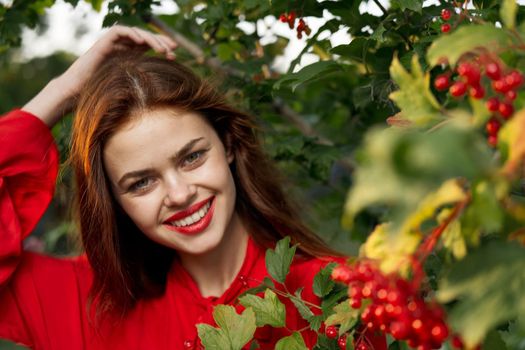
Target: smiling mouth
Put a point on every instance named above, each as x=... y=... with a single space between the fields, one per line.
x=193 y=220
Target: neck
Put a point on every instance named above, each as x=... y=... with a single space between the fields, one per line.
x=214 y=271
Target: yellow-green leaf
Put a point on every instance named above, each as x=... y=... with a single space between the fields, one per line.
x=512 y=144
x=452 y=46
x=508 y=11
x=268 y=310
x=452 y=237
x=414 y=98
x=392 y=248
x=292 y=342
x=449 y=192
x=234 y=330
x=345 y=317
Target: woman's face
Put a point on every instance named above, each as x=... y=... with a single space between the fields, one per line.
x=170 y=173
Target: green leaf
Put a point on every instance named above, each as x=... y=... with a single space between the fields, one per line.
x=303 y=309
x=508 y=11
x=414 y=98
x=452 y=46
x=234 y=330
x=323 y=283
x=268 y=310
x=314 y=71
x=278 y=261
x=292 y=342
x=345 y=316
x=488 y=286
x=414 y=5
x=212 y=338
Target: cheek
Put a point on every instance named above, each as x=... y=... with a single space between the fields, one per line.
x=141 y=210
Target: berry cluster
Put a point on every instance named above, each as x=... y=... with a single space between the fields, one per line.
x=501 y=86
x=393 y=306
x=445 y=16
x=290 y=18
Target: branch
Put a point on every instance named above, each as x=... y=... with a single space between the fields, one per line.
x=284 y=110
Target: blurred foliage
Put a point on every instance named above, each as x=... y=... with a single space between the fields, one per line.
x=324 y=124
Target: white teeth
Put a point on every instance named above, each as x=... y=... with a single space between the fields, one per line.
x=193 y=218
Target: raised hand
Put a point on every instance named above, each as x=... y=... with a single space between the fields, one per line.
x=58 y=96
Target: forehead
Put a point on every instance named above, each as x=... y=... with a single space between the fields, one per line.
x=153 y=135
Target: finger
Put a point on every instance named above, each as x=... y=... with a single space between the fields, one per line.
x=159 y=43
x=169 y=44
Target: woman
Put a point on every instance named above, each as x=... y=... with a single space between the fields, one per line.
x=176 y=203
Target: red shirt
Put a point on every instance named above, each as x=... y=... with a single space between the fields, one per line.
x=43 y=299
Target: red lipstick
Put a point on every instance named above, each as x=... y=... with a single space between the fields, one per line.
x=196 y=227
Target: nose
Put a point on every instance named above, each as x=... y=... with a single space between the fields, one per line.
x=179 y=191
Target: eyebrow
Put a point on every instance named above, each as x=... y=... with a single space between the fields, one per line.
x=143 y=172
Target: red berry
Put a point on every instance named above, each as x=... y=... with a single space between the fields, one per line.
x=299 y=35
x=493 y=71
x=511 y=95
x=500 y=85
x=457 y=342
x=342 y=273
x=442 y=82
x=513 y=79
x=445 y=28
x=445 y=14
x=493 y=126
x=477 y=91
x=283 y=18
x=341 y=342
x=362 y=346
x=291 y=19
x=469 y=72
x=492 y=104
x=301 y=25
x=399 y=330
x=355 y=303
x=493 y=141
x=331 y=332
x=439 y=332
x=505 y=109
x=458 y=89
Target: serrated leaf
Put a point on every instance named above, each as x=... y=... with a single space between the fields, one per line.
x=345 y=316
x=234 y=330
x=414 y=98
x=268 y=310
x=488 y=288
x=309 y=73
x=323 y=283
x=400 y=167
x=508 y=11
x=414 y=5
x=452 y=46
x=300 y=305
x=292 y=342
x=278 y=261
x=212 y=338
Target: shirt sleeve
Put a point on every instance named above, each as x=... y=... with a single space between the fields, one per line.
x=28 y=170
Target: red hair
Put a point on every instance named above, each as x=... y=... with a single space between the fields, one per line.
x=128 y=266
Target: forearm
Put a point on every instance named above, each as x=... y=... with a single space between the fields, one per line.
x=52 y=102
